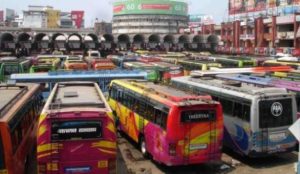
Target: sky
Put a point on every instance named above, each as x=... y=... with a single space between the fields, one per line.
x=102 y=9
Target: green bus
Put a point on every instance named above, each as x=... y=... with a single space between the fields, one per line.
x=12 y=65
x=201 y=65
x=45 y=64
x=235 y=62
x=153 y=71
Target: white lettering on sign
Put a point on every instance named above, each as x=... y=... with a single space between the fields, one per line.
x=198 y=116
x=86 y=130
x=66 y=131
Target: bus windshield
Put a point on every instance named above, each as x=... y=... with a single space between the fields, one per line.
x=192 y=116
x=2 y=165
x=76 y=130
x=11 y=69
x=275 y=113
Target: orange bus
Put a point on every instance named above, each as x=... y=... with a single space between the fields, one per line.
x=19 y=109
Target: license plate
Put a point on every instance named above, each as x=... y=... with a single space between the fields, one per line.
x=277 y=137
x=198 y=146
x=74 y=170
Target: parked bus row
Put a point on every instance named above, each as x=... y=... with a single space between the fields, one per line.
x=210 y=112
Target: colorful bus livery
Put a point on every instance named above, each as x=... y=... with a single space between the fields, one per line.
x=256 y=119
x=20 y=106
x=76 y=116
x=152 y=114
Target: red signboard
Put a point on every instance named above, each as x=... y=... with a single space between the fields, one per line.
x=156 y=6
x=1 y=16
x=246 y=6
x=77 y=16
x=118 y=8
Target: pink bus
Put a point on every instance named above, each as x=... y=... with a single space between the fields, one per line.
x=76 y=132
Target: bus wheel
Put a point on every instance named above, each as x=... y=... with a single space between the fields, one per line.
x=143 y=148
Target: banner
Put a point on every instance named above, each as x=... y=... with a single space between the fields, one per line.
x=77 y=16
x=1 y=16
x=247 y=6
x=150 y=7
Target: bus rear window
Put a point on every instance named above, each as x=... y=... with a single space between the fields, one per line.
x=197 y=116
x=11 y=69
x=2 y=164
x=76 y=130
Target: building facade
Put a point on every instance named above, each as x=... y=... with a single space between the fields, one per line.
x=149 y=16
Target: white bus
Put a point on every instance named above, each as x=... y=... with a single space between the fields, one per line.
x=256 y=120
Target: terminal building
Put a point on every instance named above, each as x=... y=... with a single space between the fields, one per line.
x=265 y=28
x=148 y=21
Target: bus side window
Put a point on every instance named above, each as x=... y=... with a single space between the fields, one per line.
x=113 y=93
x=238 y=110
x=227 y=106
x=298 y=102
x=120 y=96
x=246 y=112
x=150 y=113
x=161 y=118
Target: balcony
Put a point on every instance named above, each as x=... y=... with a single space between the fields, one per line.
x=268 y=36
x=289 y=35
x=247 y=37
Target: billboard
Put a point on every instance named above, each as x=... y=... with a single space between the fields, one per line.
x=1 y=16
x=53 y=18
x=77 y=17
x=200 y=19
x=249 y=6
x=9 y=14
x=163 y=7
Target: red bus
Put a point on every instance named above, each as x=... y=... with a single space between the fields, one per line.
x=76 y=132
x=173 y=126
x=19 y=110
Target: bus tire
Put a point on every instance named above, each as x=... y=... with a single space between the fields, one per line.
x=143 y=147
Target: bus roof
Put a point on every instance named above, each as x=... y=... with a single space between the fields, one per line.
x=225 y=87
x=13 y=96
x=77 y=95
x=160 y=92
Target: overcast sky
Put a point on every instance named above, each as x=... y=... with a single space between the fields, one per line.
x=102 y=9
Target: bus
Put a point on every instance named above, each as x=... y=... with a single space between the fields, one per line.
x=152 y=71
x=103 y=64
x=119 y=60
x=228 y=62
x=148 y=58
x=152 y=115
x=45 y=64
x=292 y=64
x=12 y=65
x=291 y=86
x=168 y=70
x=190 y=65
x=256 y=119
x=75 y=63
x=292 y=75
x=20 y=105
x=76 y=131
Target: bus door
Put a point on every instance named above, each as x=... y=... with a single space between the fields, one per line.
x=199 y=134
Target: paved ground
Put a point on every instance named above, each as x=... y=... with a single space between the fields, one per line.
x=231 y=163
x=131 y=161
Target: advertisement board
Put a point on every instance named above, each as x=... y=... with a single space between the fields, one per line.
x=237 y=7
x=9 y=14
x=1 y=16
x=150 y=7
x=200 y=19
x=77 y=17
